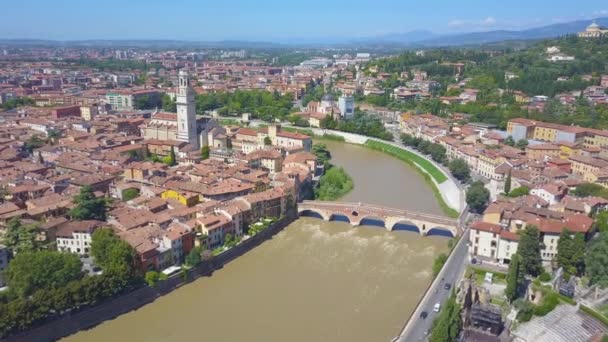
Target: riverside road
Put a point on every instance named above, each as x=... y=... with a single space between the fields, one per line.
x=416 y=328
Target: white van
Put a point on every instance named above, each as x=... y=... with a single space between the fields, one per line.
x=437 y=307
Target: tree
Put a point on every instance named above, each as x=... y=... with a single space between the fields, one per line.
x=601 y=221
x=194 y=257
x=448 y=324
x=460 y=169
x=477 y=197
x=508 y=183
x=172 y=156
x=518 y=192
x=33 y=143
x=129 y=194
x=438 y=263
x=267 y=141
x=521 y=144
x=88 y=207
x=168 y=104
x=509 y=141
x=111 y=253
x=31 y=271
x=597 y=260
x=205 y=152
x=152 y=278
x=515 y=279
x=590 y=189
x=437 y=152
x=142 y=102
x=570 y=252
x=321 y=152
x=334 y=184
x=21 y=238
x=528 y=251
x=230 y=241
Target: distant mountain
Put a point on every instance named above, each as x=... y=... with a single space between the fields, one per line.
x=412 y=39
x=544 y=32
x=143 y=43
x=407 y=37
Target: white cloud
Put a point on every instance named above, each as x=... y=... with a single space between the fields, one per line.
x=485 y=22
x=489 y=21
x=457 y=23
x=600 y=12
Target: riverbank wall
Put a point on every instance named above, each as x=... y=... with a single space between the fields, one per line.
x=89 y=317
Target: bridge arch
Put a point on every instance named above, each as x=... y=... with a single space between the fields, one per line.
x=371 y=220
x=405 y=226
x=314 y=213
x=440 y=231
x=340 y=218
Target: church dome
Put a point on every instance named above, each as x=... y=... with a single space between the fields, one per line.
x=593 y=27
x=327 y=98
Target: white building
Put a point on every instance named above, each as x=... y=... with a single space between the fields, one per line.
x=560 y=57
x=75 y=236
x=346 y=104
x=186 y=111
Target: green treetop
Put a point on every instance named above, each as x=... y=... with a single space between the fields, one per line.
x=88 y=207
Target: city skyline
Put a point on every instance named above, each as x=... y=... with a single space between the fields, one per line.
x=275 y=21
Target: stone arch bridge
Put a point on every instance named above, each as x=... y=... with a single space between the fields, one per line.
x=392 y=219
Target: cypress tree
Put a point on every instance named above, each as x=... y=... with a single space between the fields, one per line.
x=508 y=183
x=529 y=252
x=514 y=279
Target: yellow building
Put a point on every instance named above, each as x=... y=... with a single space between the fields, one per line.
x=89 y=112
x=568 y=150
x=487 y=161
x=587 y=167
x=545 y=133
x=493 y=214
x=540 y=151
x=184 y=197
x=596 y=138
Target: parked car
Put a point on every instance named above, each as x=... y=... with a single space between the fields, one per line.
x=437 y=307
x=424 y=314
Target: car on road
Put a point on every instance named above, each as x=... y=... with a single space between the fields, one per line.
x=437 y=307
x=424 y=314
x=447 y=286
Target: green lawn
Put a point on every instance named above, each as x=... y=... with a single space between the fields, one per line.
x=410 y=158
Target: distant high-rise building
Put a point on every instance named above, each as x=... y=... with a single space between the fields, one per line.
x=347 y=106
x=186 y=110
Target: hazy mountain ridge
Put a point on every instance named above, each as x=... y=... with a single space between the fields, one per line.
x=412 y=39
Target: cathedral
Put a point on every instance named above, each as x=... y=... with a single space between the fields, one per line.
x=593 y=31
x=183 y=126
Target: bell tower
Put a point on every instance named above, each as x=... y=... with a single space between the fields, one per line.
x=186 y=111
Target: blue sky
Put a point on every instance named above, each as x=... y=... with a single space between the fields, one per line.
x=277 y=20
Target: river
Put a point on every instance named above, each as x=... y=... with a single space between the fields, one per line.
x=314 y=281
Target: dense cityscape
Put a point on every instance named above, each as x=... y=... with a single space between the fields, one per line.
x=133 y=173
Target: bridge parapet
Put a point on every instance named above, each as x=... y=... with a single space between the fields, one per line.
x=355 y=213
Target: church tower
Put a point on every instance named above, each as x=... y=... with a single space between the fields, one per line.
x=186 y=111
